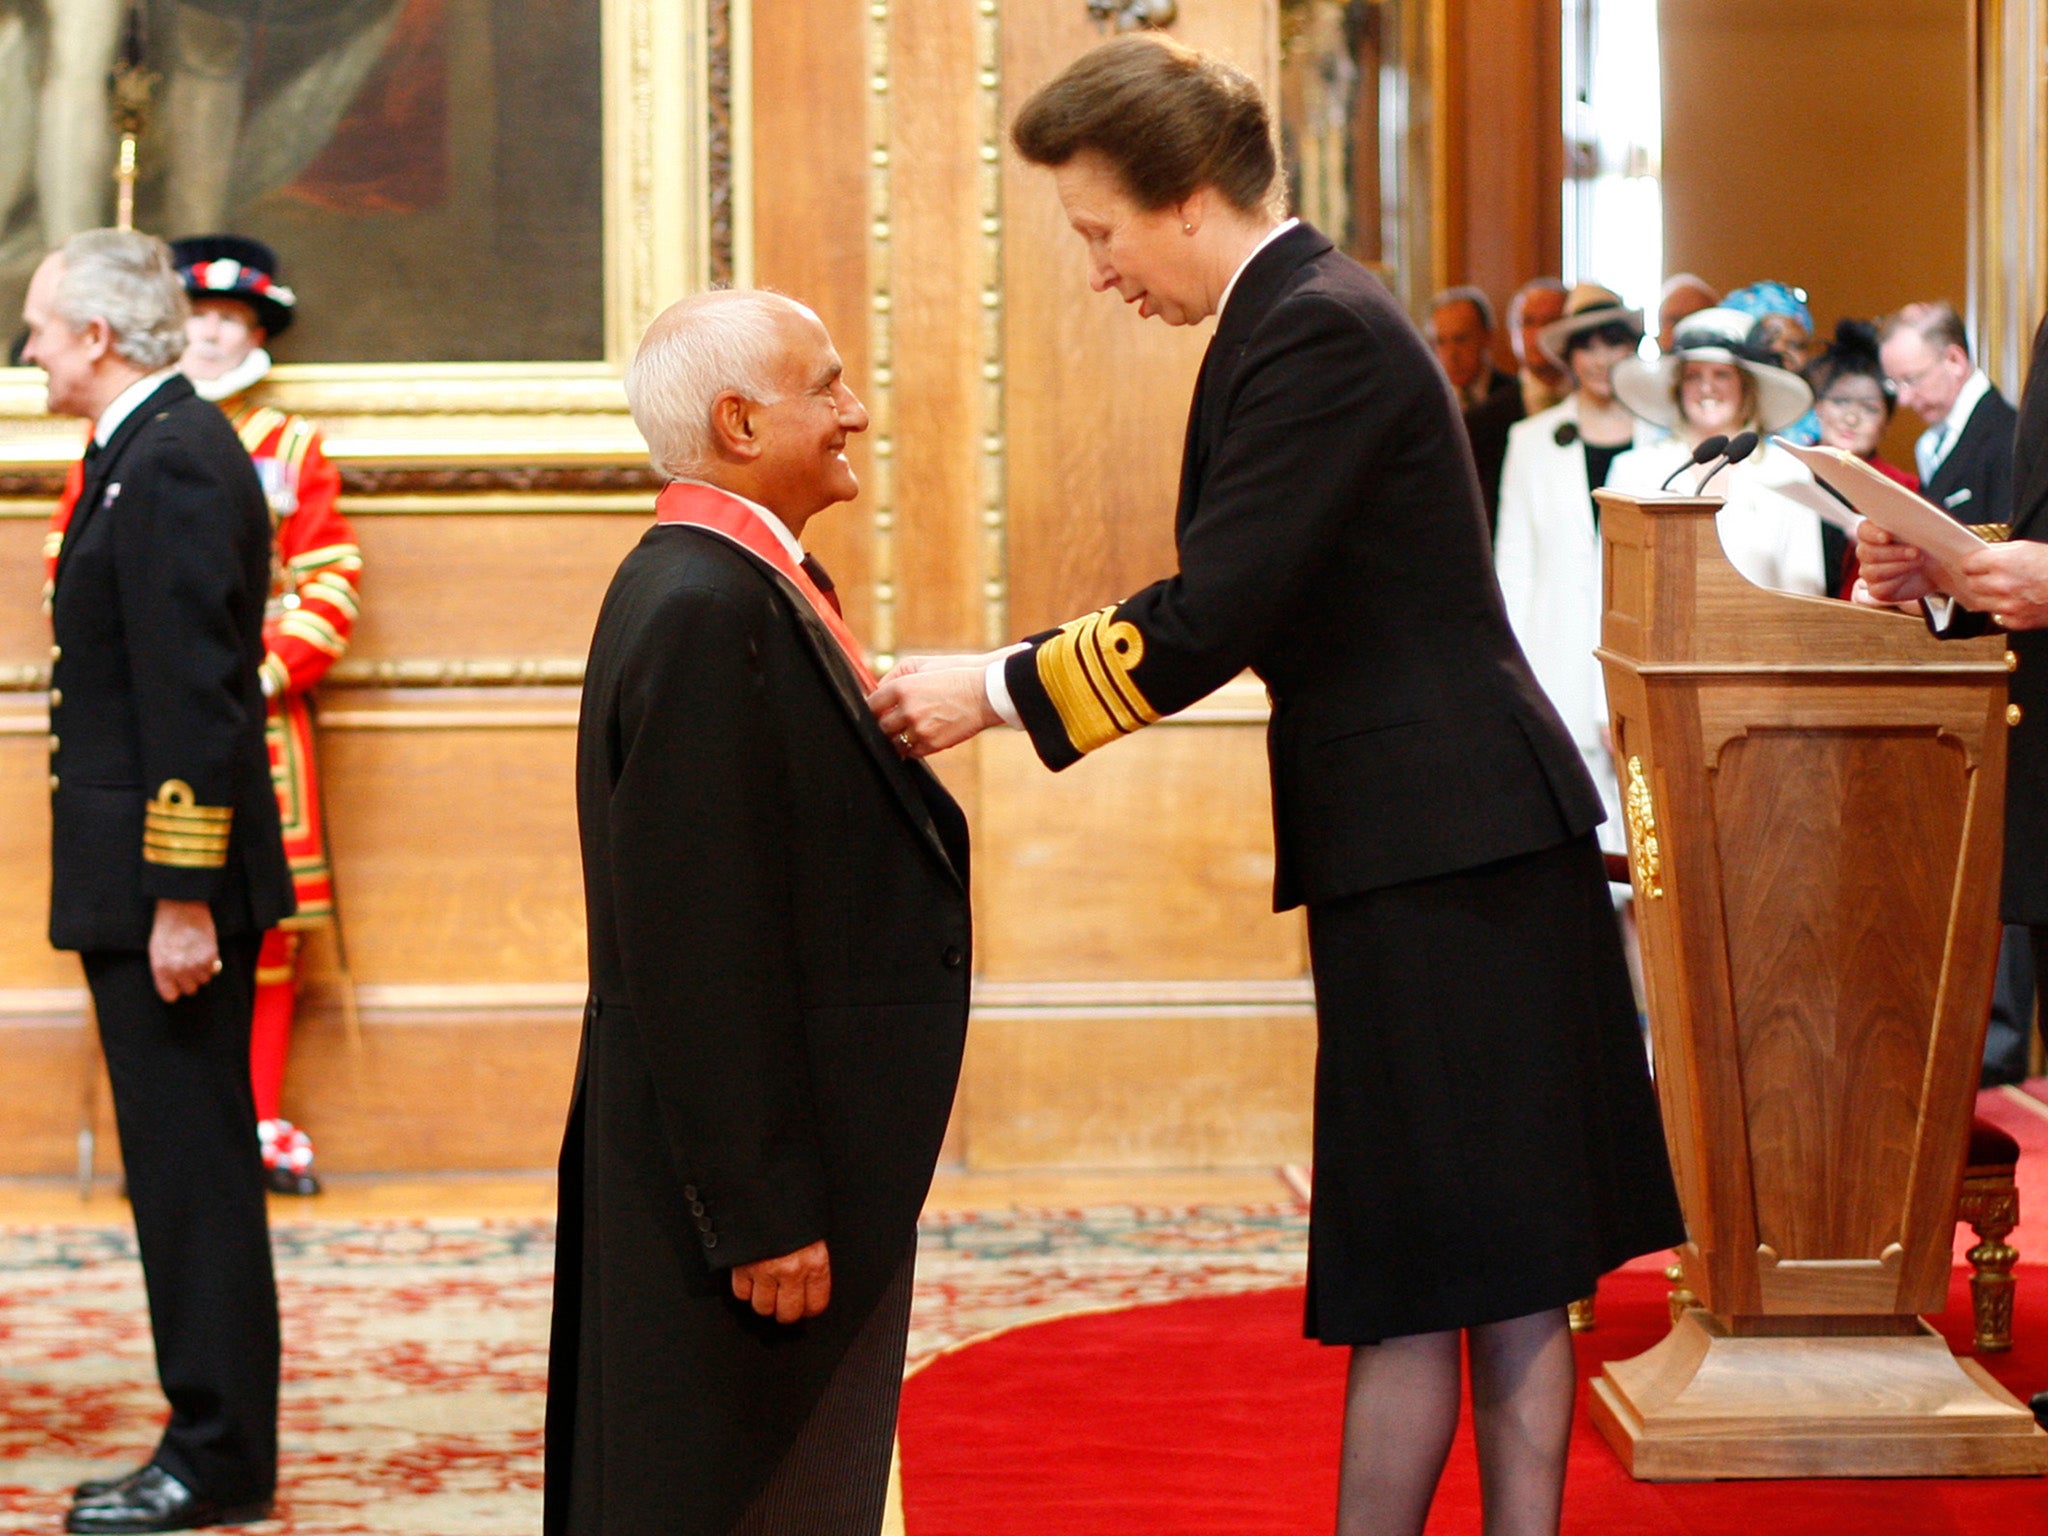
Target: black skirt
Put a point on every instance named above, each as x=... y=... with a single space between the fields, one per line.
x=1487 y=1141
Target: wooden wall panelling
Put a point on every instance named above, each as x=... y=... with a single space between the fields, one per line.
x=1138 y=1088
x=483 y=1088
x=454 y=835
x=1097 y=397
x=1745 y=195
x=935 y=238
x=1150 y=860
x=26 y=959
x=810 y=95
x=456 y=586
x=24 y=629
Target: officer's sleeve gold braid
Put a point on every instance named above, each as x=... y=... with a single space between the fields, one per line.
x=177 y=832
x=1086 y=670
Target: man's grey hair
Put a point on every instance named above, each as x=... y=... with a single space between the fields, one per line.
x=129 y=281
x=709 y=344
x=1937 y=323
x=1464 y=293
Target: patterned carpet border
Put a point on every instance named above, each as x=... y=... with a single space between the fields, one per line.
x=416 y=1351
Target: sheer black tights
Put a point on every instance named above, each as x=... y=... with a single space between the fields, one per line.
x=1401 y=1410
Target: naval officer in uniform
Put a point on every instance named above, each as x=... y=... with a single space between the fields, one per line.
x=1479 y=1067
x=166 y=861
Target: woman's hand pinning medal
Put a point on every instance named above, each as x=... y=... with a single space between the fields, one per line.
x=929 y=703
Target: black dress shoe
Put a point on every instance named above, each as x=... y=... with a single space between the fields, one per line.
x=156 y=1501
x=99 y=1487
x=2040 y=1406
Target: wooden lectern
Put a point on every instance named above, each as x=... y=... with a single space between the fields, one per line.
x=1814 y=798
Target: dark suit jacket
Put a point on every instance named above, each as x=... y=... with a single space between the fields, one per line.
x=779 y=963
x=156 y=711
x=1486 y=428
x=2025 y=896
x=1974 y=483
x=1331 y=538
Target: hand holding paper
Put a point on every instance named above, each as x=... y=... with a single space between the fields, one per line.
x=1893 y=573
x=2010 y=583
x=1910 y=519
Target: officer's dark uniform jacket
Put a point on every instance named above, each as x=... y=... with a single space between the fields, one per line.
x=159 y=778
x=1330 y=539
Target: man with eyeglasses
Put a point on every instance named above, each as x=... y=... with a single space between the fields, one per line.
x=2002 y=588
x=1965 y=463
x=1965 y=455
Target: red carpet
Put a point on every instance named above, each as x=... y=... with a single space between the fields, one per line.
x=1212 y=1417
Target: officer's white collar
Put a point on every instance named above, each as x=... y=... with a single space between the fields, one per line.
x=125 y=404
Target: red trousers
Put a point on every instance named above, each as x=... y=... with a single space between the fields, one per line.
x=270 y=1037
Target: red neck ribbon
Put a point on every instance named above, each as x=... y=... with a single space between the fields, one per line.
x=705 y=506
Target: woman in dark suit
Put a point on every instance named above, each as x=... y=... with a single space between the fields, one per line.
x=1487 y=1142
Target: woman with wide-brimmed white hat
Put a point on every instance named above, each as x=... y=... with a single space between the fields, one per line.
x=1720 y=379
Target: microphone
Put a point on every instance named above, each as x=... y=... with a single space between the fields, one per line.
x=1713 y=448
x=1739 y=448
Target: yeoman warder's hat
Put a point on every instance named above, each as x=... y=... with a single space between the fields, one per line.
x=232 y=267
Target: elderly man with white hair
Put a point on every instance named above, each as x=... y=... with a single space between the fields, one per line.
x=779 y=937
x=166 y=860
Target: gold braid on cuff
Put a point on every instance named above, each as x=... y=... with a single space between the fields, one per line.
x=1086 y=669
x=178 y=832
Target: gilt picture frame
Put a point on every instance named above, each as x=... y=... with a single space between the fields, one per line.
x=675 y=216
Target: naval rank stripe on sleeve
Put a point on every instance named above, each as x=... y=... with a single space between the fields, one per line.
x=178 y=832
x=1086 y=670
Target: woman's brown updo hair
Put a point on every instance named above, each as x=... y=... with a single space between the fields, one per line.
x=1169 y=119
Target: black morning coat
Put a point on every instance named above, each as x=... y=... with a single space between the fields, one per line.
x=779 y=963
x=1974 y=482
x=2025 y=898
x=156 y=709
x=1331 y=538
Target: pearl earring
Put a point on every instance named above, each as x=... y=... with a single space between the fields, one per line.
x=1187 y=229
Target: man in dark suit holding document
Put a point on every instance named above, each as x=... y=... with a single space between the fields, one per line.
x=1965 y=459
x=2001 y=587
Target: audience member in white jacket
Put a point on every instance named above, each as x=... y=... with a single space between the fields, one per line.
x=1547 y=549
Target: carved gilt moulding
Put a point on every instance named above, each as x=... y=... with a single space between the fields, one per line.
x=677 y=206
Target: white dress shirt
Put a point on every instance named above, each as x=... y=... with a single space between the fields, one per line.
x=993 y=683
x=126 y=403
x=1933 y=445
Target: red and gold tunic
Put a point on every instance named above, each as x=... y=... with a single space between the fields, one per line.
x=315 y=569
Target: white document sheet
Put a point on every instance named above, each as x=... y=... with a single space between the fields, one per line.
x=1901 y=513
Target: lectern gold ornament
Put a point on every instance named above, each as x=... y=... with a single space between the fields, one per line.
x=1813 y=798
